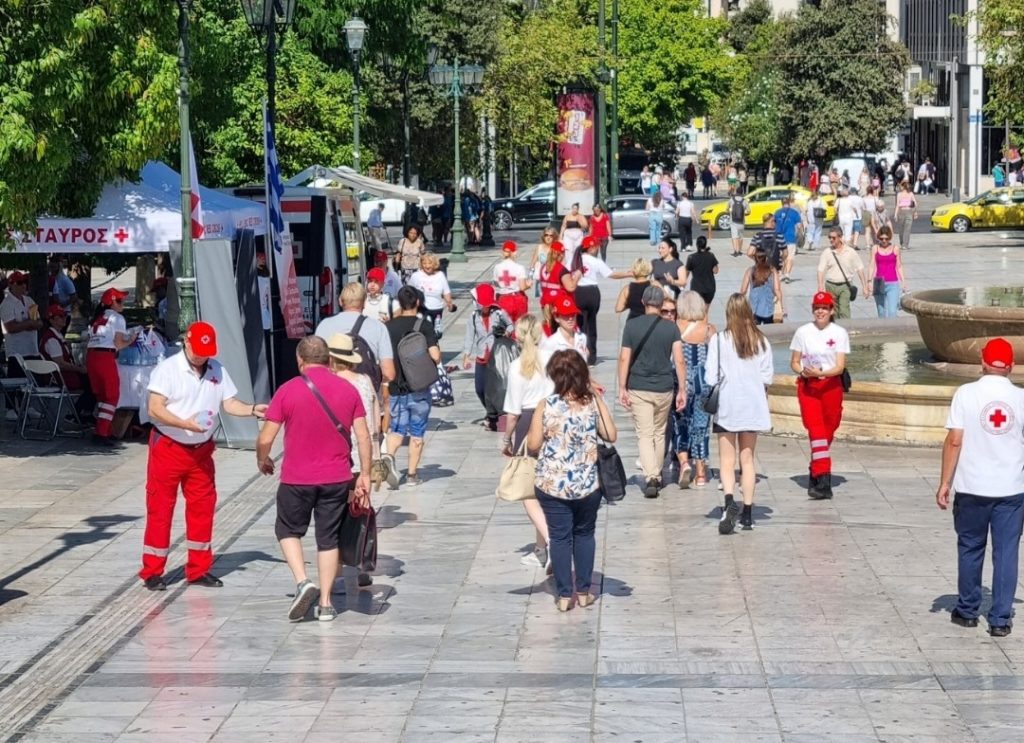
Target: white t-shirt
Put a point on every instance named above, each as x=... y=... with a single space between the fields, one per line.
x=378 y=308
x=103 y=334
x=818 y=348
x=844 y=209
x=869 y=202
x=52 y=349
x=23 y=342
x=434 y=286
x=990 y=412
x=857 y=204
x=507 y=275
x=558 y=342
x=188 y=395
x=523 y=393
x=684 y=208
x=594 y=269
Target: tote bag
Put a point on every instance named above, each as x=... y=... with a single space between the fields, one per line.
x=518 y=477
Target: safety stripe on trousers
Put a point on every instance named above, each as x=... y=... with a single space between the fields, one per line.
x=198 y=546
x=819 y=455
x=819 y=443
x=156 y=551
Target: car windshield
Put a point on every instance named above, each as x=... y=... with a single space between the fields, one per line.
x=632 y=162
x=533 y=189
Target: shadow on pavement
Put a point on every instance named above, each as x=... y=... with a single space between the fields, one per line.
x=388 y=517
x=230 y=562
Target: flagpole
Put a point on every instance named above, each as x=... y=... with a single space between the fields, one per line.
x=268 y=247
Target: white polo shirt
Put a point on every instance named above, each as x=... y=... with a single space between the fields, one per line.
x=507 y=275
x=24 y=342
x=594 y=269
x=102 y=335
x=990 y=412
x=558 y=342
x=818 y=348
x=188 y=395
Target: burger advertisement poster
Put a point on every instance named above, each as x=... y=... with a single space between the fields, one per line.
x=577 y=152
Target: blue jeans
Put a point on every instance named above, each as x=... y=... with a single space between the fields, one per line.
x=887 y=297
x=410 y=414
x=973 y=517
x=571 y=526
x=654 y=227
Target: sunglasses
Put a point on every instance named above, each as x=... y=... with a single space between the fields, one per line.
x=667 y=313
x=548 y=237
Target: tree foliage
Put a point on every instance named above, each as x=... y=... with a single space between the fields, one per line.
x=87 y=93
x=1001 y=35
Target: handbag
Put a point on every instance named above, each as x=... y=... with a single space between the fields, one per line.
x=846 y=279
x=357 y=537
x=441 y=393
x=845 y=380
x=710 y=403
x=819 y=212
x=611 y=474
x=519 y=477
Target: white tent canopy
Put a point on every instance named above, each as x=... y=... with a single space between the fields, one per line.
x=321 y=176
x=139 y=218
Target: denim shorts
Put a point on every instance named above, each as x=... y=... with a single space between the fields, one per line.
x=410 y=413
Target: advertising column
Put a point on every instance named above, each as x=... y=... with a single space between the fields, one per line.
x=577 y=153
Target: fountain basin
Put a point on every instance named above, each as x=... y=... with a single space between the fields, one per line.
x=956 y=324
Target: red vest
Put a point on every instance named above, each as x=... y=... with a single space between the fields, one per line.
x=551 y=283
x=71 y=379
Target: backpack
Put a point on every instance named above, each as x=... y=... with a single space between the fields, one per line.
x=737 y=211
x=368 y=365
x=419 y=370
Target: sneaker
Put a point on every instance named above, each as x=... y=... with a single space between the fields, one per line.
x=326 y=613
x=412 y=480
x=747 y=518
x=156 y=583
x=1000 y=631
x=651 y=489
x=730 y=511
x=391 y=478
x=306 y=594
x=961 y=621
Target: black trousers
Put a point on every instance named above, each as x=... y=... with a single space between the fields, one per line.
x=588 y=300
x=685 y=231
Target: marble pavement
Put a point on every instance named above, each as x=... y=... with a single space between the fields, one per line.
x=828 y=622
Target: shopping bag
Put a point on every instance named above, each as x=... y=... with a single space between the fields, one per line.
x=518 y=477
x=357 y=537
x=441 y=393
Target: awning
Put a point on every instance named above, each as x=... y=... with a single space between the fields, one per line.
x=322 y=176
x=222 y=213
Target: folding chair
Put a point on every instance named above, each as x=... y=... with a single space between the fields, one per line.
x=46 y=385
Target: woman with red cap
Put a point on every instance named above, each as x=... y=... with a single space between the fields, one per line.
x=108 y=334
x=487 y=320
x=819 y=358
x=512 y=283
x=377 y=305
x=555 y=281
x=566 y=335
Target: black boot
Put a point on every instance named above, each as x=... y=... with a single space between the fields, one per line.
x=812 y=487
x=825 y=485
x=730 y=511
x=747 y=519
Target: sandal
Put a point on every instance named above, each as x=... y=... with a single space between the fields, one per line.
x=700 y=482
x=685 y=475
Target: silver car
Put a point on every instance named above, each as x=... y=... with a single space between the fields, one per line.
x=629 y=218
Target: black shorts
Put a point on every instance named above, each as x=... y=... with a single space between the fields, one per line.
x=297 y=503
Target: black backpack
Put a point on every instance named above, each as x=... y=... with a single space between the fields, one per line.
x=369 y=365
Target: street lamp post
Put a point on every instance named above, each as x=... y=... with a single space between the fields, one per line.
x=613 y=160
x=186 y=281
x=355 y=34
x=269 y=17
x=454 y=77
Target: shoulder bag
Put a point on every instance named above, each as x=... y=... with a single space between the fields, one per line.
x=611 y=474
x=846 y=279
x=519 y=477
x=710 y=403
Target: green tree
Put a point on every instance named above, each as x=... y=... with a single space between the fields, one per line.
x=1001 y=35
x=87 y=93
x=745 y=25
x=843 y=79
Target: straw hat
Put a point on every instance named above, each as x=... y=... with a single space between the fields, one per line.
x=342 y=348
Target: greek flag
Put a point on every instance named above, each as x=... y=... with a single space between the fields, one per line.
x=275 y=188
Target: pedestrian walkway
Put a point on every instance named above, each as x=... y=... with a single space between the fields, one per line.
x=828 y=622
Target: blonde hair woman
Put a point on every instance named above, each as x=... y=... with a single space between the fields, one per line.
x=528 y=384
x=740 y=359
x=690 y=425
x=436 y=293
x=632 y=294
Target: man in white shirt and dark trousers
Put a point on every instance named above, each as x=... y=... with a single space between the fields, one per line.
x=983 y=464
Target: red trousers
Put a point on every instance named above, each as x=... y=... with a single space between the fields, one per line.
x=516 y=305
x=106 y=386
x=172 y=464
x=821 y=409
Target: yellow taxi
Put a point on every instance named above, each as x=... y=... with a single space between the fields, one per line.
x=998 y=208
x=763 y=201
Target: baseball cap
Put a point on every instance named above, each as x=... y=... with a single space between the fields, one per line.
x=566 y=305
x=342 y=347
x=202 y=337
x=16 y=277
x=997 y=353
x=589 y=242
x=484 y=295
x=112 y=295
x=55 y=310
x=509 y=246
x=823 y=299
x=557 y=247
x=376 y=274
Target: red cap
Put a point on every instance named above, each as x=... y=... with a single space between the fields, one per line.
x=202 y=338
x=16 y=277
x=381 y=258
x=55 y=310
x=566 y=305
x=484 y=295
x=159 y=281
x=557 y=247
x=997 y=353
x=376 y=274
x=823 y=299
x=112 y=295
x=509 y=246
x=589 y=242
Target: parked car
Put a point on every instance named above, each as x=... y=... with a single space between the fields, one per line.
x=535 y=204
x=629 y=218
x=763 y=201
x=998 y=208
x=631 y=164
x=394 y=209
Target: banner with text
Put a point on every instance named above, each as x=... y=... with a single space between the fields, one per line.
x=577 y=152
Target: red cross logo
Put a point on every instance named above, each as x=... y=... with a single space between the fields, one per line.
x=506 y=279
x=831 y=342
x=997 y=418
x=121 y=235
